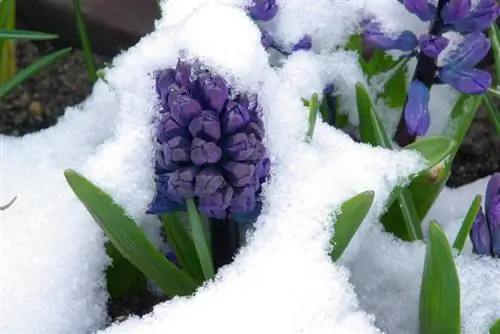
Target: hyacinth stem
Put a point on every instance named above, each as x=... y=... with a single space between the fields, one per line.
x=225 y=241
x=425 y=72
x=313 y=116
x=200 y=239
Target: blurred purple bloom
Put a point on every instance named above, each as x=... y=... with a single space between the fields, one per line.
x=263 y=10
x=479 y=19
x=455 y=10
x=209 y=145
x=480 y=235
x=432 y=45
x=373 y=35
x=416 y=111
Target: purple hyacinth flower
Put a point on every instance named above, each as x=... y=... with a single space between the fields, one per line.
x=183 y=75
x=432 y=45
x=263 y=10
x=214 y=90
x=243 y=200
x=177 y=149
x=235 y=117
x=468 y=81
x=204 y=153
x=163 y=201
x=181 y=183
x=480 y=17
x=167 y=129
x=165 y=83
x=424 y=10
x=266 y=39
x=241 y=147
x=492 y=205
x=416 y=111
x=305 y=43
x=208 y=181
x=480 y=235
x=206 y=126
x=215 y=204
x=239 y=174
x=470 y=51
x=182 y=107
x=373 y=35
x=456 y=10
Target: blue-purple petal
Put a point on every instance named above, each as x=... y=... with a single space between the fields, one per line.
x=432 y=45
x=480 y=17
x=470 y=51
x=204 y=152
x=373 y=35
x=416 y=111
x=480 y=235
x=468 y=81
x=493 y=217
x=263 y=10
x=456 y=10
x=493 y=188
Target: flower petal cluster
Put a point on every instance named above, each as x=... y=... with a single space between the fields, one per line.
x=209 y=144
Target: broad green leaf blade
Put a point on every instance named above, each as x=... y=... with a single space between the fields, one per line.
x=495 y=47
x=495 y=329
x=313 y=116
x=32 y=69
x=84 y=38
x=352 y=213
x=426 y=188
x=433 y=149
x=463 y=233
x=25 y=34
x=395 y=87
x=182 y=245
x=440 y=290
x=371 y=128
x=493 y=112
x=129 y=239
x=200 y=240
x=122 y=277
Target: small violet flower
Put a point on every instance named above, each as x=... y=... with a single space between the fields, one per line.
x=209 y=145
x=416 y=111
x=263 y=10
x=485 y=231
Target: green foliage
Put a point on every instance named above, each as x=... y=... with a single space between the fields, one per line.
x=495 y=47
x=352 y=213
x=463 y=233
x=440 y=291
x=7 y=47
x=492 y=111
x=313 y=116
x=84 y=38
x=495 y=329
x=129 y=239
x=26 y=35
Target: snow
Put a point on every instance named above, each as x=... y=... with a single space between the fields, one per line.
x=52 y=255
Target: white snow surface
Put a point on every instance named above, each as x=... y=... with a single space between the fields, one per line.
x=52 y=255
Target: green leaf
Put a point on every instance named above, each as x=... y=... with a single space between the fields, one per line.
x=495 y=46
x=200 y=240
x=182 y=245
x=395 y=88
x=495 y=329
x=84 y=38
x=352 y=213
x=493 y=112
x=313 y=116
x=433 y=149
x=129 y=239
x=25 y=34
x=31 y=70
x=467 y=224
x=440 y=290
x=7 y=47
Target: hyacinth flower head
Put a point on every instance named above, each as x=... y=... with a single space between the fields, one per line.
x=209 y=144
x=485 y=231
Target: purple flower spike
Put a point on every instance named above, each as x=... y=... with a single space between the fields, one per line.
x=235 y=117
x=239 y=174
x=177 y=149
x=304 y=44
x=214 y=90
x=206 y=126
x=181 y=182
x=183 y=108
x=455 y=10
x=432 y=45
x=480 y=235
x=215 y=204
x=204 y=153
x=208 y=181
x=470 y=51
x=263 y=10
x=479 y=19
x=416 y=111
x=466 y=81
x=243 y=200
x=373 y=35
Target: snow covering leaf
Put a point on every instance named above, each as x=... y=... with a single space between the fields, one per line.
x=182 y=245
x=433 y=149
x=200 y=240
x=495 y=329
x=440 y=290
x=128 y=238
x=395 y=87
x=352 y=214
x=463 y=233
x=313 y=116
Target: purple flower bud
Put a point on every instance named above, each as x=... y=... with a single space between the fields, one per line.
x=183 y=108
x=242 y=147
x=304 y=44
x=208 y=181
x=263 y=10
x=206 y=126
x=243 y=200
x=373 y=35
x=165 y=83
x=416 y=111
x=480 y=17
x=255 y=129
x=163 y=201
x=266 y=39
x=424 y=10
x=239 y=174
x=493 y=188
x=262 y=170
x=432 y=45
x=214 y=91
x=181 y=183
x=216 y=204
x=455 y=10
x=203 y=152
x=466 y=81
x=480 y=235
x=235 y=117
x=493 y=218
x=183 y=75
x=168 y=129
x=163 y=165
x=470 y=51
x=177 y=149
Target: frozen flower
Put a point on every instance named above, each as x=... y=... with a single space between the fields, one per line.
x=373 y=35
x=485 y=231
x=416 y=113
x=263 y=10
x=209 y=145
